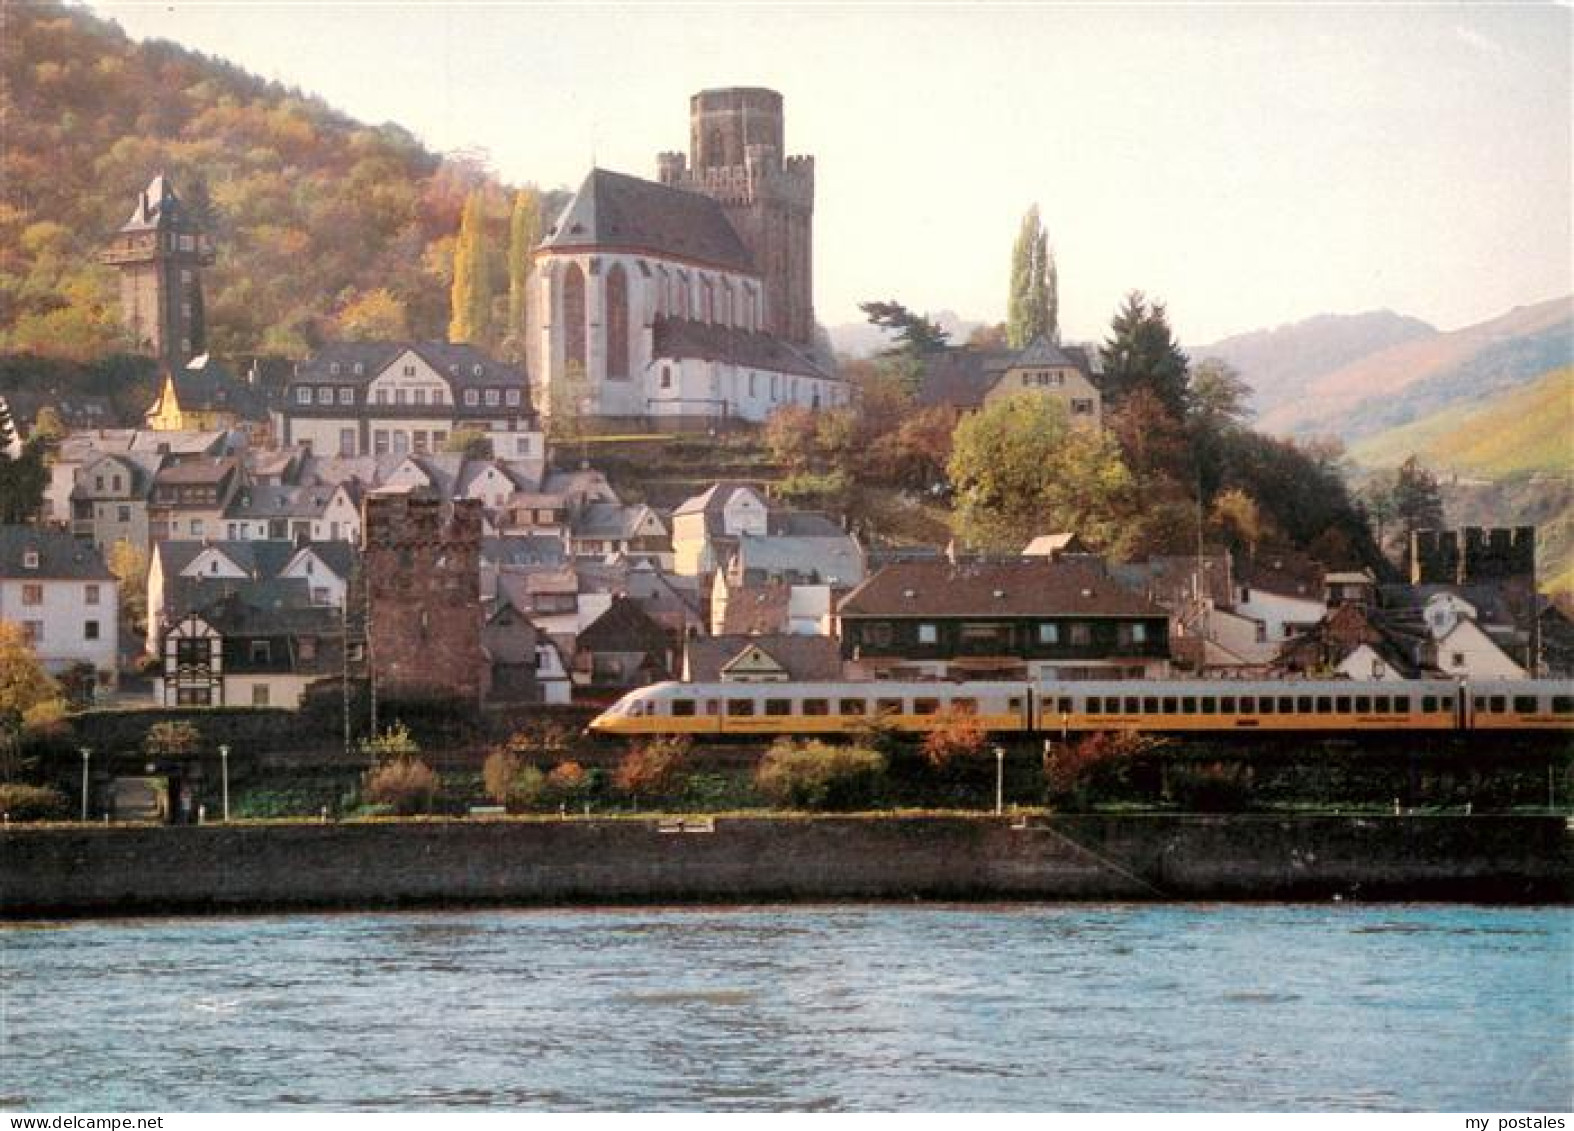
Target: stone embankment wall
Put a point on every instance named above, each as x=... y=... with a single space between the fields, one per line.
x=77 y=871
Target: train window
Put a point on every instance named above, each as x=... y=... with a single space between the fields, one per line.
x=1481 y=702
x=683 y=708
x=1132 y=707
x=1497 y=705
x=1286 y=704
x=1402 y=704
x=1065 y=706
x=710 y=706
x=1429 y=704
x=888 y=706
x=1210 y=705
x=1188 y=705
x=965 y=706
x=1381 y=704
x=778 y=707
x=1342 y=704
x=1150 y=705
x=1363 y=704
x=1265 y=705
x=1170 y=704
x=851 y=706
x=1248 y=705
x=817 y=706
x=740 y=708
x=926 y=706
x=1325 y=704
x=1525 y=704
x=1563 y=704
x=1227 y=705
x=1095 y=705
x=1303 y=705
x=1014 y=704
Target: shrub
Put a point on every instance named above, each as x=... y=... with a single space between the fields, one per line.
x=956 y=737
x=32 y=802
x=819 y=775
x=1209 y=789
x=172 y=739
x=654 y=769
x=567 y=784
x=1095 y=767
x=406 y=785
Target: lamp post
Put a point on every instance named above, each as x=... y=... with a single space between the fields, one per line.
x=1000 y=780
x=87 y=753
x=224 y=762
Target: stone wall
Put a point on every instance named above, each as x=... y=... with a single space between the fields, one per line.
x=62 y=871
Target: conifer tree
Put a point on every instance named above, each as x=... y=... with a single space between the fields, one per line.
x=524 y=230
x=1033 y=308
x=1141 y=353
x=470 y=300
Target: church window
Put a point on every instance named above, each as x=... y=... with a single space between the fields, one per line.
x=751 y=384
x=663 y=284
x=685 y=297
x=666 y=376
x=574 y=352
x=726 y=302
x=775 y=386
x=707 y=300
x=617 y=322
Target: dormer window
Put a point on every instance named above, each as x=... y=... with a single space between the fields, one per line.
x=360 y=368
x=476 y=371
x=29 y=559
x=346 y=395
x=334 y=368
x=511 y=397
x=472 y=398
x=325 y=395
x=493 y=397
x=303 y=395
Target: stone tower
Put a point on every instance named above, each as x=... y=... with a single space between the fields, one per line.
x=160 y=252
x=737 y=157
x=421 y=565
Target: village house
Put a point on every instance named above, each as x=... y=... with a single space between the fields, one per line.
x=761 y=659
x=64 y=597
x=235 y=653
x=968 y=378
x=203 y=396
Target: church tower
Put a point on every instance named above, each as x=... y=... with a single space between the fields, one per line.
x=737 y=157
x=160 y=252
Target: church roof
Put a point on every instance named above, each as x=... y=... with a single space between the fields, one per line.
x=614 y=210
x=679 y=338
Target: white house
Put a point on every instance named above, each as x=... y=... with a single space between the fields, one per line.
x=68 y=603
x=1466 y=651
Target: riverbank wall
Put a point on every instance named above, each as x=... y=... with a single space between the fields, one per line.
x=83 y=870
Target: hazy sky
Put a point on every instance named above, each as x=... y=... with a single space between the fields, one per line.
x=1250 y=165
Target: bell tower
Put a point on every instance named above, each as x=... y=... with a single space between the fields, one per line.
x=160 y=252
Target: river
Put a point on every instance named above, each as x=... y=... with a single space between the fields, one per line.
x=831 y=1007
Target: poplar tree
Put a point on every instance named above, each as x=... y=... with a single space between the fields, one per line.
x=524 y=230
x=1033 y=308
x=470 y=300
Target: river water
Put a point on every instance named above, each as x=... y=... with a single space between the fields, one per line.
x=846 y=1007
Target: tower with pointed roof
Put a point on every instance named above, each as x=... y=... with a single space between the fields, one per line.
x=160 y=252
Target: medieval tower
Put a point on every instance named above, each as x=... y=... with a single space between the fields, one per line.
x=737 y=157
x=160 y=252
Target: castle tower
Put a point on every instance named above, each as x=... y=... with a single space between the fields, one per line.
x=737 y=157
x=160 y=252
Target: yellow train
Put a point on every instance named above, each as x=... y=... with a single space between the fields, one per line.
x=1158 y=706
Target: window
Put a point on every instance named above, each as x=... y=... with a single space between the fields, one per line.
x=194 y=697
x=573 y=318
x=1363 y=704
x=666 y=376
x=259 y=695
x=511 y=397
x=1563 y=704
x=303 y=395
x=347 y=441
x=1188 y=705
x=493 y=398
x=740 y=708
x=325 y=395
x=472 y=397
x=381 y=396
x=885 y=707
x=683 y=708
x=90 y=630
x=419 y=396
x=419 y=439
x=32 y=593
x=1081 y=633
x=926 y=706
x=196 y=528
x=965 y=706
x=400 y=396
x=409 y=370
x=123 y=514
x=617 y=320
x=777 y=708
x=928 y=634
x=1381 y=704
x=1457 y=660
x=346 y=395
x=817 y=707
x=1525 y=704
x=1049 y=634
x=33 y=631
x=261 y=651
x=851 y=706
x=1081 y=406
x=1325 y=705
x=1342 y=704
x=380 y=442
x=1210 y=705
x=90 y=593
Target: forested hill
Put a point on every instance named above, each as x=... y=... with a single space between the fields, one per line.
x=323 y=225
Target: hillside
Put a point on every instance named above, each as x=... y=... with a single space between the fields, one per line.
x=1526 y=430
x=1280 y=363
x=322 y=224
x=1406 y=382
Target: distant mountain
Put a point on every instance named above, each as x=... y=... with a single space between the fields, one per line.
x=860 y=339
x=1415 y=379
x=1280 y=363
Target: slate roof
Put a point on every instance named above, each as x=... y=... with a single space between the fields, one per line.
x=609 y=520
x=274 y=502
x=523 y=550
x=455 y=361
x=624 y=627
x=262 y=558
x=159 y=208
x=802 y=524
x=614 y=210
x=1032 y=587
x=61 y=557
x=833 y=559
x=197 y=471
x=680 y=338
x=963 y=375
x=806 y=658
x=757 y=610
x=714 y=499
x=206 y=386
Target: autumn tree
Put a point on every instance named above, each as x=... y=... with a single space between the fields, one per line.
x=24 y=684
x=524 y=232
x=1019 y=468
x=1032 y=308
x=373 y=316
x=1141 y=353
x=470 y=299
x=129 y=563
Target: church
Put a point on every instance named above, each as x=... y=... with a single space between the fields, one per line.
x=685 y=303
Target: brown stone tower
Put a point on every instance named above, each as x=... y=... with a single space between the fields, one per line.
x=161 y=251
x=737 y=157
x=422 y=571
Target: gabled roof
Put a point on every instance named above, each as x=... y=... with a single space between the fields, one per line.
x=263 y=501
x=1030 y=587
x=613 y=210
x=833 y=559
x=755 y=610
x=680 y=338
x=963 y=375
x=457 y=362
x=206 y=386
x=197 y=471
x=804 y=658
x=337 y=555
x=714 y=499
x=158 y=208
x=610 y=520
x=60 y=557
x=624 y=627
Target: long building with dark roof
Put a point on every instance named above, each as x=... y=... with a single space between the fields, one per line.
x=685 y=302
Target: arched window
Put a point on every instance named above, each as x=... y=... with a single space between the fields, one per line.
x=685 y=298
x=574 y=315
x=707 y=300
x=617 y=322
x=663 y=291
x=726 y=302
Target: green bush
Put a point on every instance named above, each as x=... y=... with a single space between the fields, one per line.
x=819 y=775
x=32 y=802
x=1209 y=789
